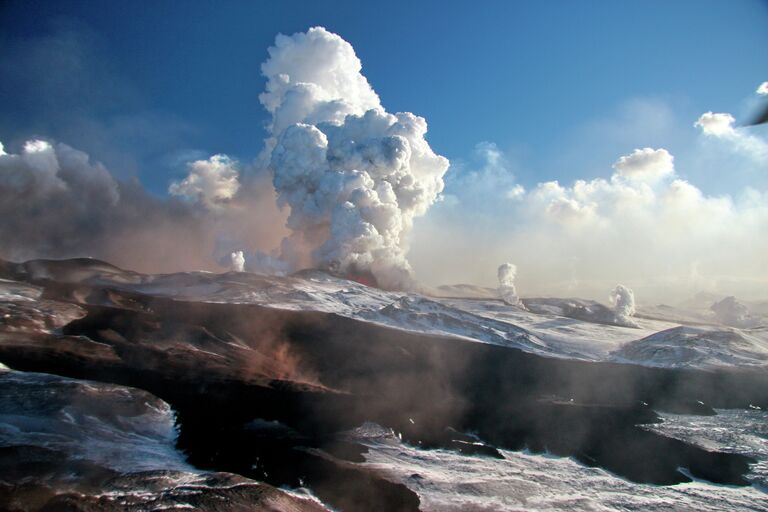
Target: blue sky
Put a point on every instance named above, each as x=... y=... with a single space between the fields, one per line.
x=563 y=88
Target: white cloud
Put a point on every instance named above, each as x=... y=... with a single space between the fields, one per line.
x=210 y=182
x=313 y=77
x=762 y=89
x=721 y=126
x=716 y=124
x=516 y=192
x=645 y=165
x=642 y=226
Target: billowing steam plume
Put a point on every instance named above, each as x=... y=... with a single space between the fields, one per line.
x=210 y=182
x=623 y=300
x=238 y=261
x=353 y=175
x=507 y=292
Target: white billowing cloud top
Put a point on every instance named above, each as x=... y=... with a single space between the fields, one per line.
x=644 y=225
x=313 y=77
x=645 y=164
x=722 y=126
x=638 y=182
x=716 y=124
x=353 y=175
x=209 y=182
x=762 y=89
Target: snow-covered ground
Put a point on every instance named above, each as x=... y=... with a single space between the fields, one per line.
x=698 y=347
x=447 y=481
x=660 y=343
x=653 y=342
x=595 y=340
x=568 y=328
x=731 y=430
x=109 y=447
x=121 y=428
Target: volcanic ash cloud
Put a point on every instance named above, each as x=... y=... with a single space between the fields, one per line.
x=354 y=176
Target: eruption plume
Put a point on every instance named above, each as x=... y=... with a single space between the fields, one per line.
x=353 y=175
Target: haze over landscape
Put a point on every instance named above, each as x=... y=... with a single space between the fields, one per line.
x=352 y=230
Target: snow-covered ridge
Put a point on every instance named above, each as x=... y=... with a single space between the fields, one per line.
x=569 y=328
x=700 y=347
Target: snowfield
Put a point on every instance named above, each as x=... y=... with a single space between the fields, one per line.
x=565 y=328
x=447 y=481
x=698 y=347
